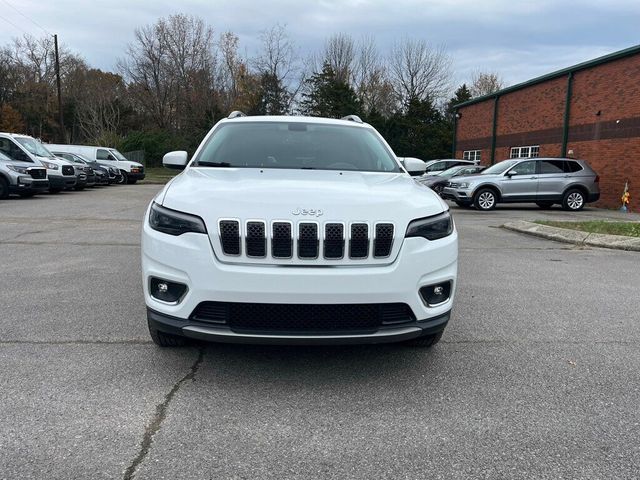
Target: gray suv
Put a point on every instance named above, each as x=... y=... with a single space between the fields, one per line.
x=543 y=181
x=22 y=178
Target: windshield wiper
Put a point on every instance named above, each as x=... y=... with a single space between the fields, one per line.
x=204 y=163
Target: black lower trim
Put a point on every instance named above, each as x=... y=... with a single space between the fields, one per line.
x=136 y=176
x=223 y=334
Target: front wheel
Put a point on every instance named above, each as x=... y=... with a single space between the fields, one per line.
x=4 y=188
x=573 y=200
x=485 y=199
x=124 y=178
x=426 y=341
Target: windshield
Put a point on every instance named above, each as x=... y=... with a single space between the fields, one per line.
x=296 y=145
x=34 y=147
x=499 y=167
x=450 y=172
x=118 y=155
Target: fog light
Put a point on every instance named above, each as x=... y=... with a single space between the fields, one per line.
x=436 y=294
x=166 y=291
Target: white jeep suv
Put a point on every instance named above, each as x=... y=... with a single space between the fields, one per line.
x=297 y=230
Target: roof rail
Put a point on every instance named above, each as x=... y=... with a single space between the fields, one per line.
x=352 y=118
x=236 y=114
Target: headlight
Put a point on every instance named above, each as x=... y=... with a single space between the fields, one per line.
x=463 y=185
x=49 y=165
x=17 y=169
x=431 y=228
x=174 y=223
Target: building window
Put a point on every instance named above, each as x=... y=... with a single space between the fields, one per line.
x=473 y=155
x=532 y=151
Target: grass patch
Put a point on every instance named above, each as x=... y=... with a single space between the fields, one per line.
x=158 y=175
x=629 y=229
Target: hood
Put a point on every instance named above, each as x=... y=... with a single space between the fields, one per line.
x=268 y=194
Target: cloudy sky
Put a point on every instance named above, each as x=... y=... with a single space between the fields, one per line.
x=517 y=39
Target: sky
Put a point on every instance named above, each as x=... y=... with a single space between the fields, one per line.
x=519 y=40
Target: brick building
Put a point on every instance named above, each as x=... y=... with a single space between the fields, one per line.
x=589 y=111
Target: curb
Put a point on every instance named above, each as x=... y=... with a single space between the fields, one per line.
x=576 y=237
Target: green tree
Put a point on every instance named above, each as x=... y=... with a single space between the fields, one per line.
x=329 y=96
x=462 y=94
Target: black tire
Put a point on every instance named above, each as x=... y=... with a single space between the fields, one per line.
x=573 y=200
x=124 y=179
x=26 y=194
x=166 y=340
x=78 y=189
x=132 y=181
x=426 y=341
x=485 y=199
x=55 y=190
x=462 y=204
x=4 y=188
x=544 y=205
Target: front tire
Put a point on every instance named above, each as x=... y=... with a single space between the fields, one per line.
x=426 y=341
x=573 y=200
x=4 y=188
x=124 y=179
x=166 y=340
x=485 y=199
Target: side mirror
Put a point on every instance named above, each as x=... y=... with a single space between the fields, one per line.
x=414 y=166
x=511 y=173
x=175 y=160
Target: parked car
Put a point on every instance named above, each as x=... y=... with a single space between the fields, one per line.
x=433 y=167
x=100 y=172
x=23 y=148
x=370 y=255
x=130 y=172
x=543 y=181
x=437 y=182
x=21 y=178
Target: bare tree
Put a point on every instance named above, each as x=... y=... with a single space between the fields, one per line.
x=169 y=67
x=418 y=70
x=278 y=66
x=485 y=83
x=98 y=98
x=339 y=54
x=370 y=79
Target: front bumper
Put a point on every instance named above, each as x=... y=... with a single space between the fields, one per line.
x=62 y=181
x=457 y=195
x=388 y=334
x=189 y=259
x=26 y=184
x=136 y=175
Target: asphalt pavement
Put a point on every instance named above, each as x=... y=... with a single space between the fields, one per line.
x=537 y=375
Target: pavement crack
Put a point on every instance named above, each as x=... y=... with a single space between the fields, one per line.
x=159 y=416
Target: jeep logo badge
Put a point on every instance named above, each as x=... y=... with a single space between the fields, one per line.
x=308 y=211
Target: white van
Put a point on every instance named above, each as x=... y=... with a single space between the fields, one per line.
x=131 y=171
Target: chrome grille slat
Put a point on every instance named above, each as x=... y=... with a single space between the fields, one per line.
x=308 y=240
x=281 y=240
x=383 y=240
x=230 y=236
x=359 y=241
x=255 y=239
x=333 y=241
